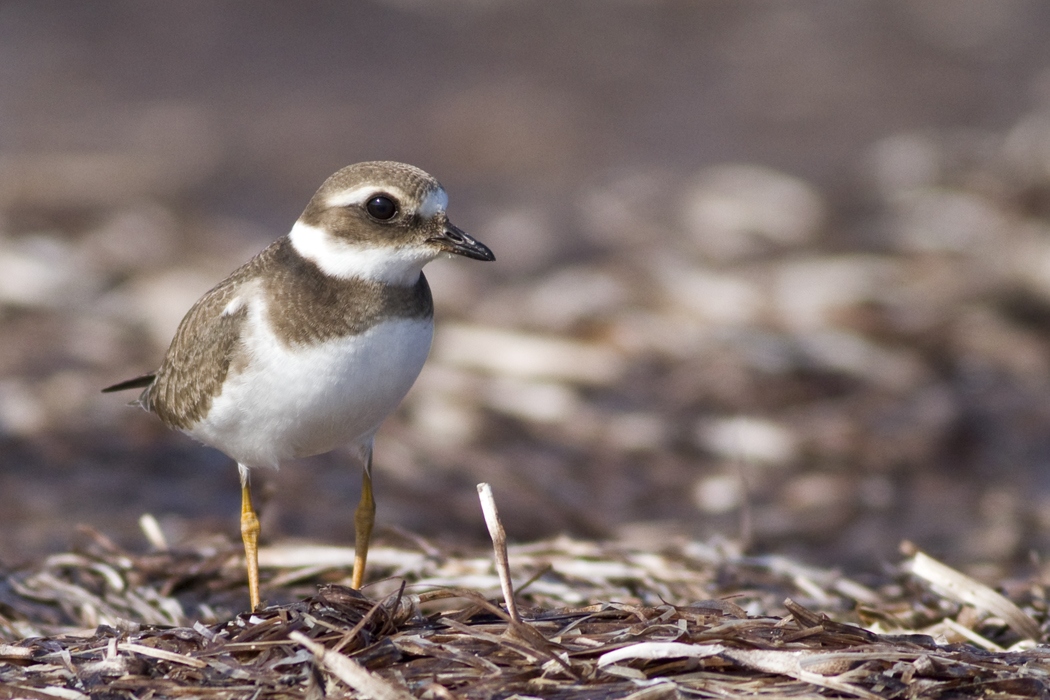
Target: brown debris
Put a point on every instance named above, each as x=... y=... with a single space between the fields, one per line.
x=693 y=620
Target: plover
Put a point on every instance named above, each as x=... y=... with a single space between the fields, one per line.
x=312 y=343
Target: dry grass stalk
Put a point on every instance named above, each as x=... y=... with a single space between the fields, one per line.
x=959 y=587
x=499 y=547
x=353 y=674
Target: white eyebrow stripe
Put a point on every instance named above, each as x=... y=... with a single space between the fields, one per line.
x=360 y=195
x=435 y=202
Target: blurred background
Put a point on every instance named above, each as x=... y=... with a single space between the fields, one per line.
x=772 y=271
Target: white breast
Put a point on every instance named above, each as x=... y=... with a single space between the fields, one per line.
x=296 y=401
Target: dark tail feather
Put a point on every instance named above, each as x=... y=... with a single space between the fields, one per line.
x=136 y=383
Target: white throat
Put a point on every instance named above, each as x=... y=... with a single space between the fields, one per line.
x=388 y=264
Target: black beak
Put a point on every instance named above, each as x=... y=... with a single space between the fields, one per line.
x=455 y=241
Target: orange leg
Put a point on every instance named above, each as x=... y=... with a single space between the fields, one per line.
x=364 y=520
x=250 y=536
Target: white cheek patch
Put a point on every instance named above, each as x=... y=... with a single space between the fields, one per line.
x=398 y=265
x=436 y=202
x=360 y=195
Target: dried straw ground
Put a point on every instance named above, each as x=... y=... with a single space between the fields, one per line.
x=602 y=621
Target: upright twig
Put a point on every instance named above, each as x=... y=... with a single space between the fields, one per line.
x=499 y=546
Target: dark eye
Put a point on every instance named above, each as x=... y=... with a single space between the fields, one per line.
x=381 y=207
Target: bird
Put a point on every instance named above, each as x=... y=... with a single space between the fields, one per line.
x=312 y=343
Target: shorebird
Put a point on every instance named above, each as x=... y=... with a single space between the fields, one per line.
x=312 y=343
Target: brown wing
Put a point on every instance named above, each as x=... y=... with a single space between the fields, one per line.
x=206 y=345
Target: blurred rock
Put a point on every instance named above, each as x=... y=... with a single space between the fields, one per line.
x=749 y=440
x=525 y=356
x=21 y=410
x=720 y=298
x=574 y=296
x=719 y=494
x=853 y=354
x=132 y=240
x=741 y=211
x=817 y=491
x=1030 y=259
x=651 y=332
x=40 y=271
x=903 y=162
x=444 y=420
x=543 y=402
x=946 y=221
x=811 y=293
x=443 y=405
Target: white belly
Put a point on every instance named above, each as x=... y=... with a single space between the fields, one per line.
x=298 y=401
